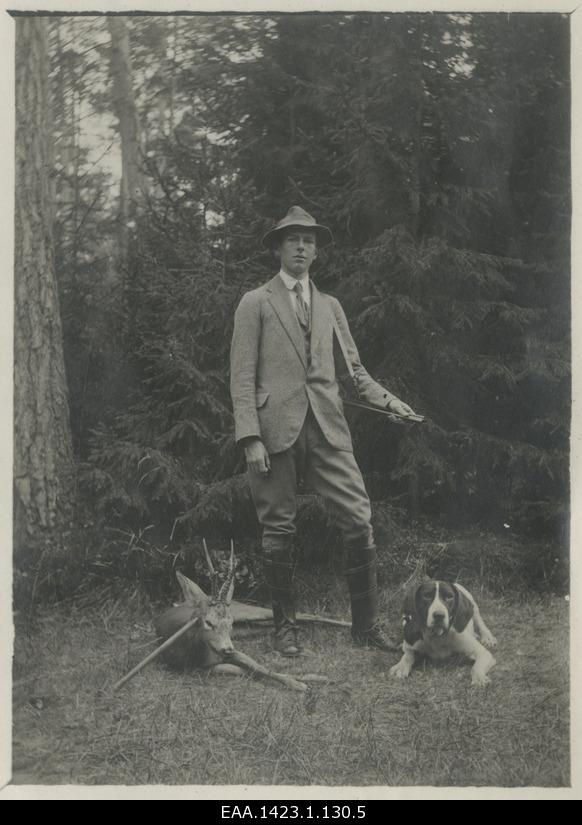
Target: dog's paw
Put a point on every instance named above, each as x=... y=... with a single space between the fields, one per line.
x=488 y=639
x=479 y=679
x=399 y=671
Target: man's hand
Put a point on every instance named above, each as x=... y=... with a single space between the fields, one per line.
x=257 y=457
x=400 y=408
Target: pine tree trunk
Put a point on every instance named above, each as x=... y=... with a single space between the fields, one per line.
x=43 y=456
x=127 y=115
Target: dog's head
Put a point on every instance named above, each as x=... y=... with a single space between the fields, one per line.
x=434 y=607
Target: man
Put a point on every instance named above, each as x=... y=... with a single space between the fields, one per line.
x=289 y=419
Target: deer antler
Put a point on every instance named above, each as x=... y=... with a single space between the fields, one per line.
x=223 y=595
x=213 y=574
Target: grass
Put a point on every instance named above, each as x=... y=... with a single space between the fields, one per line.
x=363 y=729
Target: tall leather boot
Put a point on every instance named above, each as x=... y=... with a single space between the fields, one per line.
x=361 y=572
x=278 y=569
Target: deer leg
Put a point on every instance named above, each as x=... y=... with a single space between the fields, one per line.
x=248 y=664
x=227 y=670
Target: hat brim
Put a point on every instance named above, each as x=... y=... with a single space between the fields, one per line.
x=323 y=234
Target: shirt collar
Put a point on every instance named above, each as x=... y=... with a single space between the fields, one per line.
x=290 y=282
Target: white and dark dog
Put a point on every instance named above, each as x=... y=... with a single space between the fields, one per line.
x=441 y=620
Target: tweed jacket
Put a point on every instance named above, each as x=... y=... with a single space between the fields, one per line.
x=273 y=384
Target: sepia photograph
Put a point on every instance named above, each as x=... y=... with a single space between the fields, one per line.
x=292 y=399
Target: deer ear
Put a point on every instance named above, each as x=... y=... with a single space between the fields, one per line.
x=190 y=590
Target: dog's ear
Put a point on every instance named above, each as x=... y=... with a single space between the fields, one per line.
x=462 y=611
x=411 y=622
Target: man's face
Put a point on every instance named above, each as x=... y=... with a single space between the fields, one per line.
x=297 y=250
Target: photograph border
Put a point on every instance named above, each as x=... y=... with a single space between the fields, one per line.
x=7 y=78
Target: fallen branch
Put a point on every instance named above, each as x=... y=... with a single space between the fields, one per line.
x=242 y=613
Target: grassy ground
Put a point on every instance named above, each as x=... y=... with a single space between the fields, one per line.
x=363 y=729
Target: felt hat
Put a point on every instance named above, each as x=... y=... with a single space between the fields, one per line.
x=296 y=216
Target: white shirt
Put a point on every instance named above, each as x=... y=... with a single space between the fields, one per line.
x=290 y=282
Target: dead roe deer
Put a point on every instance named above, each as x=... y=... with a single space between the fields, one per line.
x=208 y=645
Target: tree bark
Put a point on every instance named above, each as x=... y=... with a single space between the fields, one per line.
x=127 y=115
x=43 y=455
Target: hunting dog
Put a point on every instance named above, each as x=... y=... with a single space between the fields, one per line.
x=441 y=619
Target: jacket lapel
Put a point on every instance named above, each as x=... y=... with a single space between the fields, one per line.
x=280 y=300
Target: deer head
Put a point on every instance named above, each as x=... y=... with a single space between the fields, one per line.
x=214 y=613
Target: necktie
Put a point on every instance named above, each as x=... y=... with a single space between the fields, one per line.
x=301 y=307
